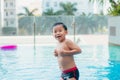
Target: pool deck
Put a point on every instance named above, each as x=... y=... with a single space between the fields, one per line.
x=81 y=39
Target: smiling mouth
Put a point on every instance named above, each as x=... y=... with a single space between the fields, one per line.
x=58 y=36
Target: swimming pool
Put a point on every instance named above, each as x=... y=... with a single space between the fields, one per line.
x=27 y=64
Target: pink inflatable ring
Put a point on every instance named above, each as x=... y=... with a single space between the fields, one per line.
x=8 y=47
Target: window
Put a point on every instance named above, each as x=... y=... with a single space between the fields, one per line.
x=11 y=4
x=55 y=4
x=6 y=13
x=11 y=13
x=6 y=23
x=47 y=4
x=11 y=22
x=112 y=30
x=6 y=4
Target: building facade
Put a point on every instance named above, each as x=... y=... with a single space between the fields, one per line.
x=0 y=19
x=8 y=15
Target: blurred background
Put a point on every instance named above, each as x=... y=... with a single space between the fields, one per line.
x=89 y=16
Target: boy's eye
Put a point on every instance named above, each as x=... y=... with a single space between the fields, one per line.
x=55 y=31
x=60 y=30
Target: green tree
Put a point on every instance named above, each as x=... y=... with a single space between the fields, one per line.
x=114 y=10
x=86 y=24
x=27 y=12
x=90 y=23
x=68 y=8
x=51 y=12
x=101 y=2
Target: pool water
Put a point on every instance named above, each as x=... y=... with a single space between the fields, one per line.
x=25 y=63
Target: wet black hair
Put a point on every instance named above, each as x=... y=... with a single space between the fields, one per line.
x=60 y=23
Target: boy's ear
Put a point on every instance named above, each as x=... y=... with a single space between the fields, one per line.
x=66 y=32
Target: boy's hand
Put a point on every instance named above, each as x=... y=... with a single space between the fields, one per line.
x=59 y=51
x=55 y=53
x=62 y=52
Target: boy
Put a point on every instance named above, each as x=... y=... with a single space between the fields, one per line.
x=64 y=52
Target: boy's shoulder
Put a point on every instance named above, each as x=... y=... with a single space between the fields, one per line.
x=68 y=41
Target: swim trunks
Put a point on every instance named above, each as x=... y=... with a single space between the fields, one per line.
x=70 y=73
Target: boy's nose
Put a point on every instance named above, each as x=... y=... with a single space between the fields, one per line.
x=58 y=33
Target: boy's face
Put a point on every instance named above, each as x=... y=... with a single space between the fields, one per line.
x=59 y=33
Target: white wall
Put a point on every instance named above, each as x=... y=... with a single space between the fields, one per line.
x=84 y=39
x=114 y=22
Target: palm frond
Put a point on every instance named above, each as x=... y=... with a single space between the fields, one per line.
x=20 y=14
x=26 y=10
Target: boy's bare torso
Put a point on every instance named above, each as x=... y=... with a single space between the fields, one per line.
x=65 y=61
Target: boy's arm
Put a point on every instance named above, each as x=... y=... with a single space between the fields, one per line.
x=55 y=53
x=74 y=49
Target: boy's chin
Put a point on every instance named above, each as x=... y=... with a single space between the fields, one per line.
x=60 y=40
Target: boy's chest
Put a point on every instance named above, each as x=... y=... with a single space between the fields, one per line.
x=63 y=46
